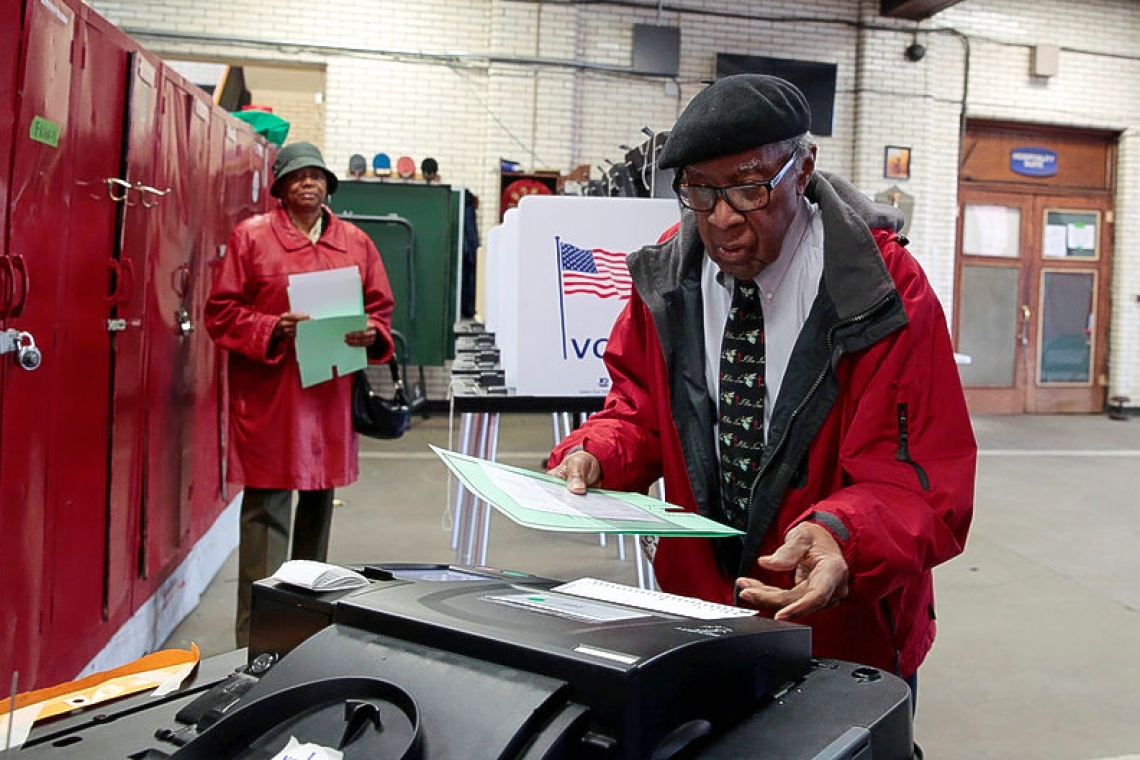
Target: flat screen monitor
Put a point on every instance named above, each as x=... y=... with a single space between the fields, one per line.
x=816 y=81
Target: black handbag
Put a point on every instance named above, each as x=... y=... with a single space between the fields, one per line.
x=378 y=417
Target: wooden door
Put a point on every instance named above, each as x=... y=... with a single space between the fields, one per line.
x=1032 y=309
x=1032 y=300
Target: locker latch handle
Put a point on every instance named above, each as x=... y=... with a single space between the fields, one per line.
x=117 y=189
x=150 y=195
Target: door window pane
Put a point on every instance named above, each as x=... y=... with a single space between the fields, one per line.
x=1070 y=234
x=1066 y=327
x=987 y=330
x=991 y=231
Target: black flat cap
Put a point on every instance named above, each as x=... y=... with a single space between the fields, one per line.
x=735 y=114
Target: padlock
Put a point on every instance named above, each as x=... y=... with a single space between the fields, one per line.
x=27 y=354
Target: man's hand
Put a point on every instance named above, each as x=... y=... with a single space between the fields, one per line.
x=363 y=338
x=821 y=575
x=580 y=470
x=286 y=326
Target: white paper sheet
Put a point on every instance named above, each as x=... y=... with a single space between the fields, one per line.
x=327 y=293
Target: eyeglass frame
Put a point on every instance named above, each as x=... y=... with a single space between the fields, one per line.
x=722 y=192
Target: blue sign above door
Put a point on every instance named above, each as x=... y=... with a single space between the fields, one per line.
x=1033 y=162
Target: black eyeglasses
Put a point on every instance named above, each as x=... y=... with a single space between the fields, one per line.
x=751 y=196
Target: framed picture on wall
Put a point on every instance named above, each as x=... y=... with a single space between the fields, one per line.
x=896 y=162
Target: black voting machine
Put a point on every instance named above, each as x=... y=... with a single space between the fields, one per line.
x=451 y=662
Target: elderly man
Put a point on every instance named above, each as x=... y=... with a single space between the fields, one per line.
x=785 y=366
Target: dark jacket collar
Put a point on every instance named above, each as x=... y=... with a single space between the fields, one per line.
x=855 y=276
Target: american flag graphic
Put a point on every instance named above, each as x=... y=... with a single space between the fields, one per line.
x=595 y=272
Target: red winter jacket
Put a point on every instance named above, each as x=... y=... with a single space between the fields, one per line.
x=870 y=436
x=282 y=435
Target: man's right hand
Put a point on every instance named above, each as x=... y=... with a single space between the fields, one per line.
x=580 y=470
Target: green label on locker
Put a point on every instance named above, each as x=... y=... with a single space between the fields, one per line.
x=45 y=131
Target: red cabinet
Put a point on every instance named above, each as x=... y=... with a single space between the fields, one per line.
x=123 y=184
x=10 y=12
x=75 y=248
x=39 y=193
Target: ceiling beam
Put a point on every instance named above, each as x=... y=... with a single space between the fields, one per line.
x=915 y=10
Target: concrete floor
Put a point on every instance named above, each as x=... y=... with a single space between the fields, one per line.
x=1037 y=654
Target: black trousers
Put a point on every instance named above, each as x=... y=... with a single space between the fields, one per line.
x=264 y=538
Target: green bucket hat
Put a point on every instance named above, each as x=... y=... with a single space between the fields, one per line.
x=299 y=155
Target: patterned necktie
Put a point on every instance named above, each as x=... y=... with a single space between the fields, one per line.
x=741 y=402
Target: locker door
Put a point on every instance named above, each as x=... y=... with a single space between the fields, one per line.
x=202 y=207
x=10 y=29
x=208 y=491
x=77 y=488
x=39 y=194
x=10 y=11
x=168 y=331
x=128 y=399
x=243 y=178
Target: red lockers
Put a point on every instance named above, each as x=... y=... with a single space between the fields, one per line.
x=121 y=183
x=10 y=15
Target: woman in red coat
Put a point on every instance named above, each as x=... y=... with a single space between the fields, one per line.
x=283 y=437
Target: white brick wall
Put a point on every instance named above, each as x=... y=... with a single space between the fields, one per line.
x=471 y=81
x=1096 y=87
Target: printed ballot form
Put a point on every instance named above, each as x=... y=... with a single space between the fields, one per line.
x=541 y=501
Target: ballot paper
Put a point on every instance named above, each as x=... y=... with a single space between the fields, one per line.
x=318 y=576
x=296 y=750
x=541 y=501
x=327 y=293
x=334 y=300
x=648 y=599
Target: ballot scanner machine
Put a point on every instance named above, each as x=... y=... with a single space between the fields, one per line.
x=451 y=662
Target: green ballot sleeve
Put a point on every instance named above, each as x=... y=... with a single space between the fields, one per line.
x=541 y=501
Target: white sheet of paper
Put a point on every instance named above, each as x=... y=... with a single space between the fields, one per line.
x=648 y=599
x=1082 y=237
x=21 y=725
x=318 y=576
x=327 y=293
x=296 y=750
x=987 y=233
x=1056 y=245
x=554 y=498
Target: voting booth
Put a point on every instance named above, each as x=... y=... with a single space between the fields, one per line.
x=557 y=280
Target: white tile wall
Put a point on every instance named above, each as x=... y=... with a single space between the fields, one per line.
x=471 y=81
